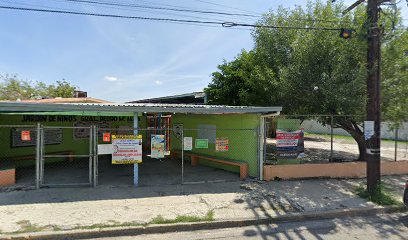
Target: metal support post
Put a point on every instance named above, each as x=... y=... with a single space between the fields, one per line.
x=95 y=156
x=42 y=153
x=182 y=155
x=331 y=138
x=37 y=157
x=136 y=165
x=90 y=154
x=396 y=144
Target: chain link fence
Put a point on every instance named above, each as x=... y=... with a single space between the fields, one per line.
x=330 y=139
x=18 y=156
x=157 y=167
x=219 y=155
x=66 y=156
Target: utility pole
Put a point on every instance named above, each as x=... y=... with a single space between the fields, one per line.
x=373 y=94
x=372 y=124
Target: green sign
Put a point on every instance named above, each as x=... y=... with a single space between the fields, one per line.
x=201 y=143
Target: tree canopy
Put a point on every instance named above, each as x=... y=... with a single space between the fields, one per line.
x=13 y=88
x=315 y=71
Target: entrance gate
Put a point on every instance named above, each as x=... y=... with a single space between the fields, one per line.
x=60 y=167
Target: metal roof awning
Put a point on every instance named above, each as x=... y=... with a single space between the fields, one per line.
x=21 y=107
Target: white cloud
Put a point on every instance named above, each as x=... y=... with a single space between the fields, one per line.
x=158 y=82
x=111 y=78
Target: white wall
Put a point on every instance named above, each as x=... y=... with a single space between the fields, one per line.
x=315 y=127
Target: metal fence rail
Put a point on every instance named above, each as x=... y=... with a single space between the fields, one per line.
x=18 y=154
x=325 y=141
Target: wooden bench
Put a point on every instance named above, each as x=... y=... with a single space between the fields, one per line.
x=7 y=173
x=8 y=169
x=243 y=166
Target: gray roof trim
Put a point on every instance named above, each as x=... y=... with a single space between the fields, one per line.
x=134 y=107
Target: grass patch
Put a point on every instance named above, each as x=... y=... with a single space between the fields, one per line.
x=381 y=196
x=117 y=224
x=26 y=226
x=183 y=218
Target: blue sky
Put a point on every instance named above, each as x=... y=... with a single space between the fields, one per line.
x=118 y=59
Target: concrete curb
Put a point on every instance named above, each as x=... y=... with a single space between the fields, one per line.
x=165 y=228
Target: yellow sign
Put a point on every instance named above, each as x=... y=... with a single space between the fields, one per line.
x=127 y=149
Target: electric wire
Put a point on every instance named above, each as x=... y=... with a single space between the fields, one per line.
x=224 y=24
x=160 y=8
x=117 y=8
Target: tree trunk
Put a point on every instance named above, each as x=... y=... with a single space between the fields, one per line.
x=354 y=130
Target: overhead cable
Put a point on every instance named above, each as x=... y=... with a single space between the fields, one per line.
x=161 y=8
x=224 y=24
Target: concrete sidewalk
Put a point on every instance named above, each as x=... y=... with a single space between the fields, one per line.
x=85 y=208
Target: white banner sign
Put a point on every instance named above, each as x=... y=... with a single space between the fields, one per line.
x=127 y=149
x=188 y=143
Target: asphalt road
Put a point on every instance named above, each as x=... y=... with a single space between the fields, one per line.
x=393 y=226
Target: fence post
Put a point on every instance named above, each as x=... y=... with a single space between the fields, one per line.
x=90 y=153
x=182 y=155
x=396 y=144
x=42 y=153
x=331 y=138
x=37 y=157
x=95 y=156
x=264 y=145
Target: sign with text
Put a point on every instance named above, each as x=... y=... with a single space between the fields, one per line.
x=25 y=136
x=106 y=137
x=221 y=144
x=20 y=139
x=201 y=143
x=157 y=146
x=289 y=144
x=127 y=149
x=368 y=129
x=188 y=143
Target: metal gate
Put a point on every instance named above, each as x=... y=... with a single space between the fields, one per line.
x=72 y=167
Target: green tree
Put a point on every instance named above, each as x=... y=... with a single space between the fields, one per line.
x=241 y=82
x=394 y=76
x=13 y=88
x=308 y=71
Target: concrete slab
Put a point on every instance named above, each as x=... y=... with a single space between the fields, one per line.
x=70 y=208
x=152 y=172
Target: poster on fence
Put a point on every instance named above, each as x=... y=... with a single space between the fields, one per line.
x=188 y=143
x=127 y=149
x=201 y=143
x=221 y=144
x=290 y=145
x=157 y=146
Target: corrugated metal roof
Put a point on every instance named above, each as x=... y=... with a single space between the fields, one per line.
x=193 y=94
x=132 y=107
x=67 y=100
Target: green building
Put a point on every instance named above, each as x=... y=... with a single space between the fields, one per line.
x=220 y=137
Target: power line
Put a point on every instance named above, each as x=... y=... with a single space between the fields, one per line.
x=224 y=24
x=161 y=8
x=226 y=6
x=143 y=11
x=181 y=9
x=107 y=15
x=231 y=24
